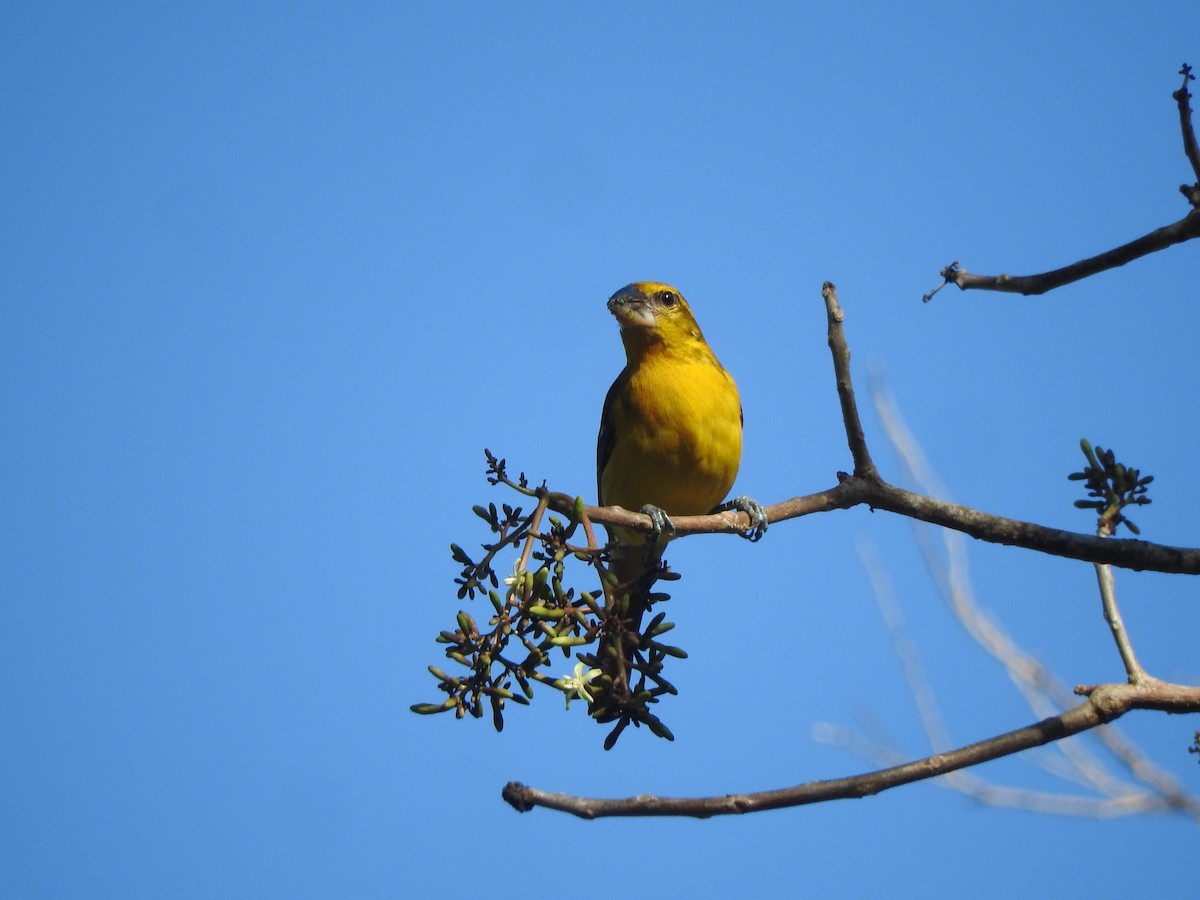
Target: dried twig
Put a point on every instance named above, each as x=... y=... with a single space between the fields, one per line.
x=1190 y=148
x=1185 y=229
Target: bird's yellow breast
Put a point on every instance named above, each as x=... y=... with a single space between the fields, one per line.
x=678 y=434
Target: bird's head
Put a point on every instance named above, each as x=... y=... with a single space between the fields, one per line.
x=651 y=313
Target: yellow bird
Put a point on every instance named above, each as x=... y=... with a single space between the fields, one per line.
x=670 y=438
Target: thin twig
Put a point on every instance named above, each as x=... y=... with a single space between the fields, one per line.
x=863 y=466
x=1185 y=229
x=1112 y=615
x=1190 y=147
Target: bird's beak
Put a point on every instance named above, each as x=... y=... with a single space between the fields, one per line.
x=632 y=308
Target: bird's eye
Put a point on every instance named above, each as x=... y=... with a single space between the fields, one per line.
x=668 y=298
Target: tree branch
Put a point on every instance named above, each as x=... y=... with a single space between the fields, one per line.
x=1177 y=232
x=1112 y=615
x=1104 y=704
x=1125 y=553
x=1190 y=148
x=1184 y=230
x=863 y=466
x=1129 y=803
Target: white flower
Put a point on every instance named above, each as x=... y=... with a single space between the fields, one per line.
x=577 y=685
x=514 y=579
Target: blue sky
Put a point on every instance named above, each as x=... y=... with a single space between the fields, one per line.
x=275 y=275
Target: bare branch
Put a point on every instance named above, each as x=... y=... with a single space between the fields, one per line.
x=863 y=466
x=1160 y=239
x=1190 y=148
x=1127 y=803
x=1104 y=704
x=1184 y=230
x=878 y=494
x=1126 y=553
x=1112 y=615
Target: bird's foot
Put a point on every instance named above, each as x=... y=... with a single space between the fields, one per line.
x=659 y=520
x=753 y=509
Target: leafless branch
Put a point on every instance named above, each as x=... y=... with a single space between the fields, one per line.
x=1190 y=148
x=1104 y=704
x=1117 y=803
x=1112 y=615
x=863 y=466
x=1185 y=229
x=1156 y=791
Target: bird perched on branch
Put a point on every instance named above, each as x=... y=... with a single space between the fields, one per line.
x=670 y=438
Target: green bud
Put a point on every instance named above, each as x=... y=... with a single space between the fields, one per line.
x=676 y=652
x=429 y=709
x=526 y=687
x=497 y=714
x=658 y=728
x=567 y=640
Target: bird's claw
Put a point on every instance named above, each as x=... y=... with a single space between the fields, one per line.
x=753 y=509
x=659 y=520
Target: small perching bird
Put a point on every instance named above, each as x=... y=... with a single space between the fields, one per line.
x=670 y=438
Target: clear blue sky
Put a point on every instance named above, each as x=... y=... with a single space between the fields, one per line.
x=273 y=277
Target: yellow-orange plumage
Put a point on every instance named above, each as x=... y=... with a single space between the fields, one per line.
x=671 y=429
x=670 y=443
